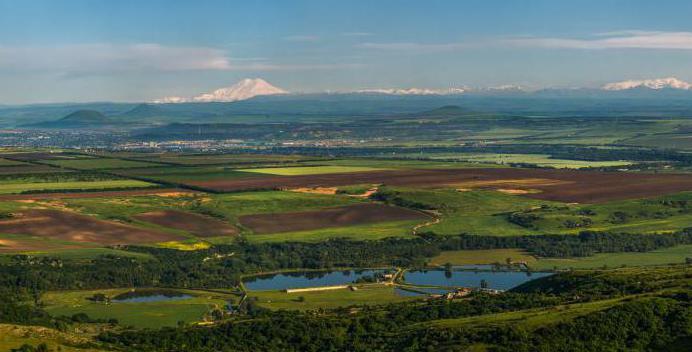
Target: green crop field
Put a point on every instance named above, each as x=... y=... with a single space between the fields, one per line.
x=225 y=206
x=542 y=160
x=677 y=254
x=481 y=256
x=474 y=212
x=84 y=253
x=278 y=202
x=71 y=185
x=6 y=162
x=310 y=170
x=190 y=173
x=141 y=315
x=652 y=215
x=98 y=163
x=232 y=158
x=383 y=162
x=375 y=231
x=373 y=294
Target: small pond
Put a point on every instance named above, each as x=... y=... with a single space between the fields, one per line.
x=306 y=279
x=149 y=296
x=500 y=280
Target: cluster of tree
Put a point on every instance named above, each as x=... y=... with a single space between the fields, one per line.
x=295 y=331
x=653 y=324
x=213 y=267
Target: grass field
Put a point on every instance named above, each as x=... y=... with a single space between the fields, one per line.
x=213 y=159
x=358 y=232
x=653 y=215
x=543 y=160
x=402 y=164
x=186 y=174
x=80 y=253
x=310 y=170
x=375 y=294
x=482 y=256
x=6 y=162
x=278 y=202
x=14 y=336
x=11 y=188
x=141 y=315
x=474 y=212
x=98 y=163
x=677 y=254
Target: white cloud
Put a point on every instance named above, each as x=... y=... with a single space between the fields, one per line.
x=630 y=39
x=94 y=59
x=111 y=57
x=625 y=39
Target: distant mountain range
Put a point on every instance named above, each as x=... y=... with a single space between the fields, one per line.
x=254 y=87
x=659 y=83
x=243 y=90
x=256 y=98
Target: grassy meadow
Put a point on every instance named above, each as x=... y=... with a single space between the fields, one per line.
x=372 y=294
x=140 y=315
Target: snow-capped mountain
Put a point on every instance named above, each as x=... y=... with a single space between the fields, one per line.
x=660 y=83
x=171 y=100
x=412 y=91
x=243 y=90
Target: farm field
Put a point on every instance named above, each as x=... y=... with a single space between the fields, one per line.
x=327 y=217
x=152 y=191
x=140 y=314
x=187 y=174
x=475 y=212
x=543 y=160
x=651 y=215
x=672 y=255
x=98 y=163
x=30 y=169
x=373 y=294
x=198 y=225
x=7 y=162
x=13 y=188
x=214 y=159
x=565 y=186
x=367 y=232
x=73 y=227
x=310 y=170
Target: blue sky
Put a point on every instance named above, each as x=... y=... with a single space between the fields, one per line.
x=140 y=50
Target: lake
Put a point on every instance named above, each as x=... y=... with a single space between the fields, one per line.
x=306 y=279
x=501 y=280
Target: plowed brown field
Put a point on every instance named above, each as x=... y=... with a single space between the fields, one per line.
x=330 y=217
x=199 y=225
x=68 y=226
x=98 y=194
x=565 y=185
